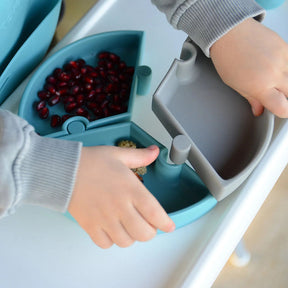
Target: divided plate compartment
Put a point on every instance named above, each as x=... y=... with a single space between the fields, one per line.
x=126 y=44
x=211 y=124
x=177 y=187
x=28 y=27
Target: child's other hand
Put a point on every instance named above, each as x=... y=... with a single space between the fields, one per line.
x=253 y=60
x=110 y=203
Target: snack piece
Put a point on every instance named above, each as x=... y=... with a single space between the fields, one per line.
x=140 y=171
x=127 y=144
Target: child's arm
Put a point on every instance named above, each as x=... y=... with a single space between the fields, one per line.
x=249 y=57
x=34 y=170
x=108 y=200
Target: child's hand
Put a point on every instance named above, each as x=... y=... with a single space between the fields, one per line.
x=110 y=203
x=253 y=60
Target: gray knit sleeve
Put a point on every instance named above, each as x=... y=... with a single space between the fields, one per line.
x=206 y=21
x=34 y=170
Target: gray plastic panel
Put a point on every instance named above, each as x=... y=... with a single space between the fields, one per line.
x=227 y=141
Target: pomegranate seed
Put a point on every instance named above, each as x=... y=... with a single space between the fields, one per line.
x=51 y=80
x=114 y=107
x=80 y=62
x=122 y=65
x=103 y=74
x=72 y=83
x=104 y=104
x=55 y=121
x=76 y=74
x=92 y=105
x=100 y=97
x=61 y=84
x=106 y=112
x=110 y=65
x=81 y=112
x=116 y=99
x=130 y=70
x=74 y=90
x=50 y=88
x=91 y=95
x=123 y=77
x=70 y=106
x=44 y=113
x=66 y=117
x=114 y=57
x=57 y=72
x=97 y=111
x=74 y=64
x=89 y=79
x=110 y=88
x=102 y=63
x=103 y=55
x=54 y=100
x=113 y=78
x=68 y=99
x=63 y=91
x=94 y=74
x=88 y=87
x=80 y=99
x=64 y=77
x=43 y=95
x=83 y=70
x=40 y=105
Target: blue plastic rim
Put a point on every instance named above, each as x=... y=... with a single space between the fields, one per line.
x=27 y=42
x=126 y=44
x=177 y=187
x=270 y=4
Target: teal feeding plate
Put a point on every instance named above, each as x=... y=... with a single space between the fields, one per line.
x=177 y=187
x=27 y=28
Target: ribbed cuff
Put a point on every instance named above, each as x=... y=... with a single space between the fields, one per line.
x=205 y=21
x=48 y=172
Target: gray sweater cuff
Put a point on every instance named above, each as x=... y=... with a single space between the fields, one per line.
x=206 y=21
x=47 y=172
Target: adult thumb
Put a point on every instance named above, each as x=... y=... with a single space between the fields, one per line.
x=138 y=157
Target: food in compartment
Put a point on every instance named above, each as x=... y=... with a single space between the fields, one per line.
x=140 y=171
x=84 y=90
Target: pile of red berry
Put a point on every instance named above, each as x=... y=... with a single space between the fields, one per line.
x=83 y=90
